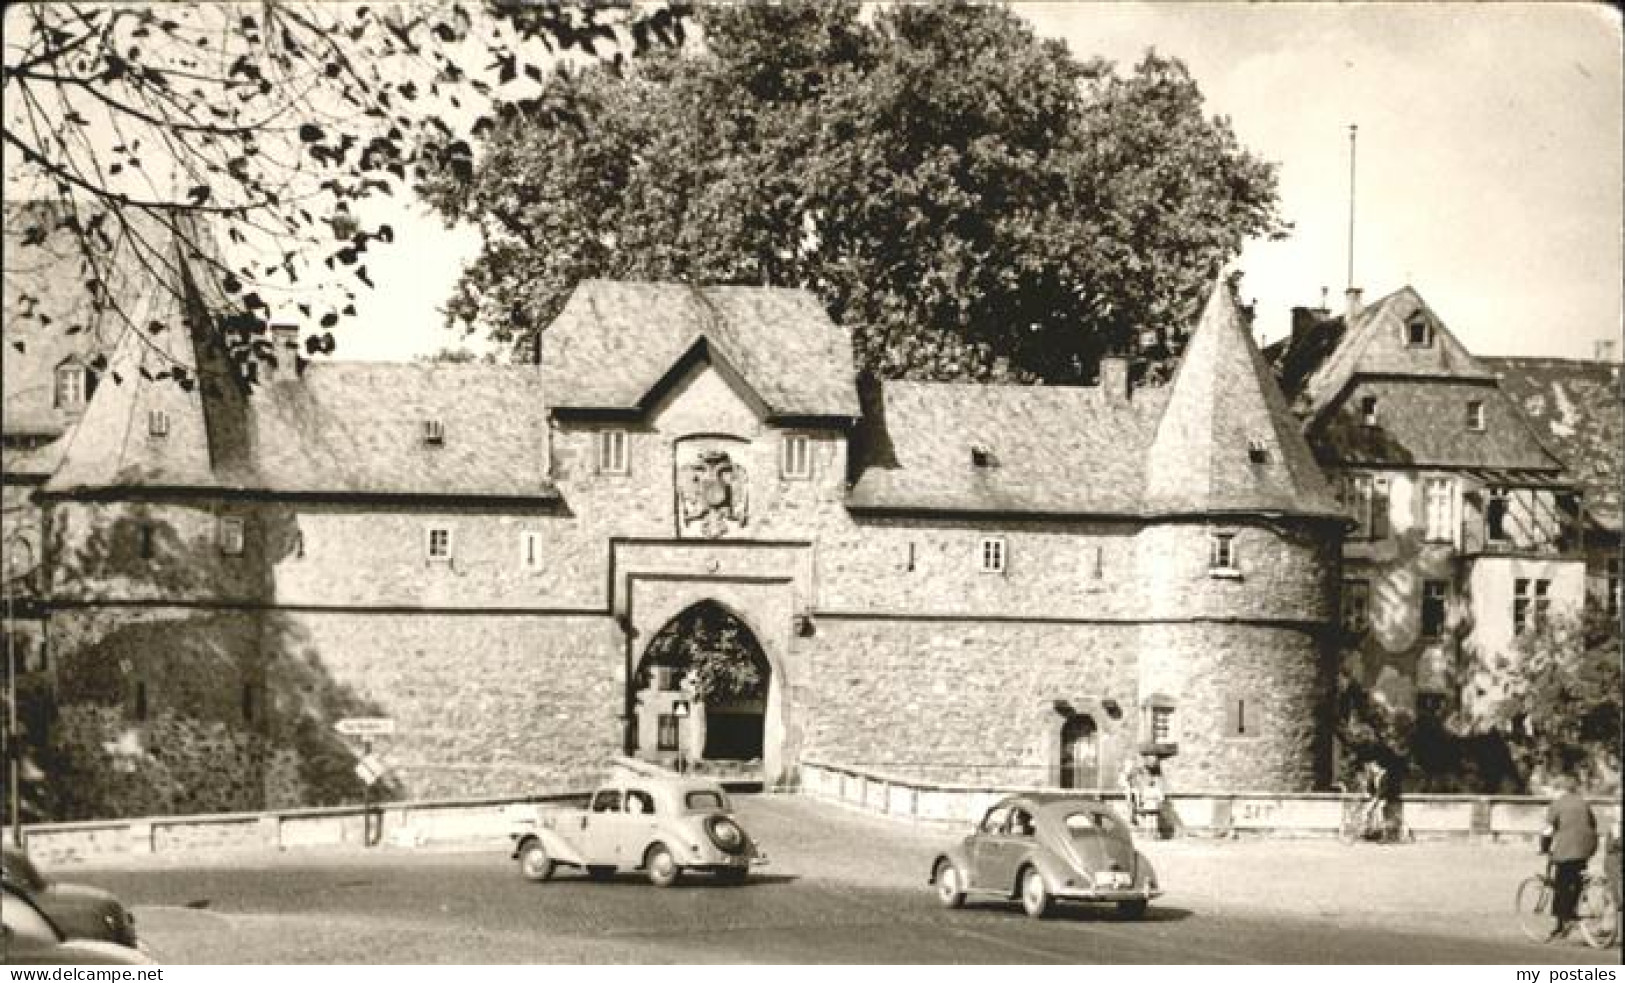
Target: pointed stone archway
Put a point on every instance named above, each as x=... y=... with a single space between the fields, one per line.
x=700 y=693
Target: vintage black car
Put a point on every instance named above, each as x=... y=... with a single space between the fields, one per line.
x=80 y=911
x=1043 y=848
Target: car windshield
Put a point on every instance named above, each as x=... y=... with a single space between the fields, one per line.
x=20 y=870
x=1084 y=825
x=700 y=801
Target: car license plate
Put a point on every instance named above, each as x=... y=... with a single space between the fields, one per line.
x=1112 y=878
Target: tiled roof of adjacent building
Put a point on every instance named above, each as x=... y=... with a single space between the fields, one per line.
x=1032 y=450
x=615 y=342
x=1575 y=406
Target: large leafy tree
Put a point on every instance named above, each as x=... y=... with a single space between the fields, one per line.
x=954 y=189
x=253 y=134
x=1562 y=696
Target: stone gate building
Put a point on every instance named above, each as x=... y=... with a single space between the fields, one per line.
x=955 y=582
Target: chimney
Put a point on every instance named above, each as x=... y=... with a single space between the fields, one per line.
x=1605 y=350
x=285 y=349
x=1113 y=378
x=1354 y=308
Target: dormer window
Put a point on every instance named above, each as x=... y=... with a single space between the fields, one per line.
x=434 y=432
x=981 y=456
x=1418 y=333
x=158 y=423
x=612 y=452
x=797 y=456
x=1258 y=452
x=1475 y=415
x=70 y=387
x=1368 y=411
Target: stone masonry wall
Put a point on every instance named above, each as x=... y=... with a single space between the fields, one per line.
x=962 y=701
x=1284 y=677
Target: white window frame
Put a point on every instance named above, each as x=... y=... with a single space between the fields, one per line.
x=614 y=451
x=1222 y=556
x=446 y=554
x=1369 y=410
x=1258 y=451
x=530 y=550
x=993 y=555
x=434 y=432
x=157 y=423
x=1475 y=416
x=231 y=534
x=1438 y=509
x=795 y=456
x=1427 y=333
x=70 y=387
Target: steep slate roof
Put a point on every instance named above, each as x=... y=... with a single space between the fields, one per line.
x=1079 y=451
x=614 y=343
x=1054 y=449
x=1576 y=411
x=339 y=428
x=1223 y=401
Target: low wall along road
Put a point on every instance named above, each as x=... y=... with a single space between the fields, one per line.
x=1198 y=814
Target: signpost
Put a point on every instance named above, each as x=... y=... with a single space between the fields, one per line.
x=370 y=768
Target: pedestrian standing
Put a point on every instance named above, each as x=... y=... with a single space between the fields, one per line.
x=1573 y=830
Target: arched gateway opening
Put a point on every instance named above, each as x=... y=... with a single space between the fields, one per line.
x=700 y=694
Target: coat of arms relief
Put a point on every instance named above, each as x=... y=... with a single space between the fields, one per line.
x=713 y=492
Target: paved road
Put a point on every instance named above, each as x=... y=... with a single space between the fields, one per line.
x=842 y=888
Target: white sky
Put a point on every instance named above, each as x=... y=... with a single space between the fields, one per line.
x=1490 y=163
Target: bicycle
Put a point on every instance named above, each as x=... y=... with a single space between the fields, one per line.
x=1595 y=915
x=1360 y=824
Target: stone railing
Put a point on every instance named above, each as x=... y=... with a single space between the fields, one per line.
x=1223 y=814
x=392 y=823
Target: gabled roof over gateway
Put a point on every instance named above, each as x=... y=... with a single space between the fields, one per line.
x=1186 y=449
x=615 y=342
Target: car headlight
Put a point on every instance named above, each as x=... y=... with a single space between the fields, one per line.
x=725 y=834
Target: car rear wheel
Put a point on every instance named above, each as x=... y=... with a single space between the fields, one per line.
x=950 y=885
x=1035 y=899
x=600 y=873
x=662 y=866
x=534 y=863
x=1132 y=909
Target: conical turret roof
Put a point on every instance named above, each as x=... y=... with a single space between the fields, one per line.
x=1226 y=442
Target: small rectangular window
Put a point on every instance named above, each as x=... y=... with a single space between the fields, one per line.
x=1368 y=410
x=1433 y=598
x=1531 y=603
x=140 y=708
x=1439 y=499
x=231 y=535
x=1495 y=516
x=1475 y=415
x=1418 y=333
x=612 y=452
x=530 y=551
x=1240 y=717
x=157 y=423
x=1222 y=552
x=70 y=387
x=1356 y=606
x=434 y=432
x=1162 y=725
x=797 y=456
x=437 y=544
x=992 y=554
x=1258 y=451
x=666 y=739
x=148 y=537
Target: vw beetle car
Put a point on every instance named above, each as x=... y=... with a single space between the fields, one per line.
x=29 y=937
x=80 y=912
x=1041 y=849
x=664 y=827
